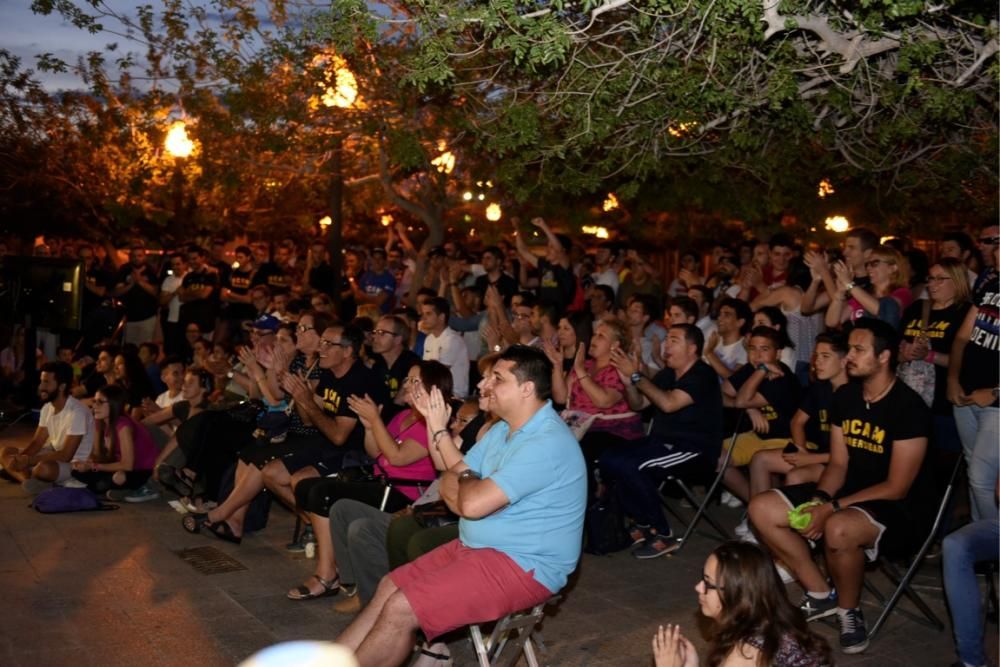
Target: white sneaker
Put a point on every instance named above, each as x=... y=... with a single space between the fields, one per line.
x=786 y=576
x=729 y=500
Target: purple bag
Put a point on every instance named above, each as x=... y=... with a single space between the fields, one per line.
x=59 y=499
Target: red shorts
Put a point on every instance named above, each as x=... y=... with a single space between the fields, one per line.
x=453 y=586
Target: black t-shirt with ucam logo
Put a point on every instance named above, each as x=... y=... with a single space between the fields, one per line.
x=871 y=431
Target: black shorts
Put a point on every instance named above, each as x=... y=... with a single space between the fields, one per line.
x=296 y=452
x=901 y=530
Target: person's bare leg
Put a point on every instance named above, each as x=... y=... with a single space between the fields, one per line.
x=365 y=621
x=46 y=471
x=326 y=563
x=846 y=535
x=391 y=639
x=736 y=482
x=801 y=475
x=763 y=465
x=278 y=480
x=233 y=509
x=769 y=516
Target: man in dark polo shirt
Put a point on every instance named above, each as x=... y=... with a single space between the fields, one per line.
x=139 y=290
x=871 y=496
x=199 y=293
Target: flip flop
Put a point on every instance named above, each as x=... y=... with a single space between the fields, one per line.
x=222 y=531
x=193 y=522
x=303 y=593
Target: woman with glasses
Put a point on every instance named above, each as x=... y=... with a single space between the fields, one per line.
x=124 y=451
x=751 y=621
x=400 y=451
x=887 y=297
x=929 y=328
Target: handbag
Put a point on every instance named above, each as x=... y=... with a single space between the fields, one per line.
x=434 y=515
x=920 y=375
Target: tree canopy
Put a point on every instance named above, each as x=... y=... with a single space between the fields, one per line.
x=719 y=108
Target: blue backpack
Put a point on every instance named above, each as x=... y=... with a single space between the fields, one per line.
x=59 y=499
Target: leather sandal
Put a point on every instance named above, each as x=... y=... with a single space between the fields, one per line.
x=302 y=592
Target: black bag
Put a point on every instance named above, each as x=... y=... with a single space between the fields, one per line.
x=604 y=526
x=260 y=506
x=434 y=515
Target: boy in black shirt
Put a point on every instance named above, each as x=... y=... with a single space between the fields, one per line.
x=870 y=495
x=768 y=391
x=810 y=424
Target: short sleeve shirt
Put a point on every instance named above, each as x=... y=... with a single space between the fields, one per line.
x=981 y=359
x=696 y=427
x=942 y=325
x=816 y=402
x=139 y=304
x=73 y=419
x=782 y=396
x=201 y=311
x=541 y=470
x=871 y=431
x=357 y=381
x=374 y=284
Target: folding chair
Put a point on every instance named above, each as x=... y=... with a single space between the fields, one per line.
x=902 y=582
x=517 y=629
x=710 y=490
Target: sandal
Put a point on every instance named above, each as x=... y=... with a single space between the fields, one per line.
x=193 y=523
x=223 y=531
x=302 y=592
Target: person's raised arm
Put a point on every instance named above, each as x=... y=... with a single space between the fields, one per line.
x=601 y=396
x=527 y=257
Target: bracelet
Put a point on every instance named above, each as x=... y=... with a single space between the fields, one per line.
x=435 y=435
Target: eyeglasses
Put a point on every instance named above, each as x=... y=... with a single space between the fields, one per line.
x=937 y=279
x=332 y=343
x=989 y=240
x=385 y=332
x=303 y=328
x=709 y=586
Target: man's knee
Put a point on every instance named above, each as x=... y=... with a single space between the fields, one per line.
x=843 y=531
x=46 y=471
x=397 y=609
x=768 y=509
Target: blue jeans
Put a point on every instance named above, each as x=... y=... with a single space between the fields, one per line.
x=962 y=550
x=979 y=429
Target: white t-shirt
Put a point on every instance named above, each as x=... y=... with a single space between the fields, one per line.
x=707 y=326
x=449 y=348
x=733 y=355
x=73 y=419
x=170 y=284
x=164 y=400
x=607 y=277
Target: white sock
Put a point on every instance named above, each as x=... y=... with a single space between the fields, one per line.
x=819 y=596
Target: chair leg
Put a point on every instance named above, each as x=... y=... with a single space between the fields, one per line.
x=703 y=507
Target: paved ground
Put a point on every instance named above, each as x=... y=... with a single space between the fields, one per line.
x=109 y=589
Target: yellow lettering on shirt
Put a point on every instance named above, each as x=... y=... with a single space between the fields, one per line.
x=331 y=400
x=863 y=435
x=770 y=414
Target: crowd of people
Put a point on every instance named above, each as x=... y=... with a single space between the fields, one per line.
x=434 y=415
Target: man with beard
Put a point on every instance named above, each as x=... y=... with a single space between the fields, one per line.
x=65 y=434
x=871 y=496
x=492 y=261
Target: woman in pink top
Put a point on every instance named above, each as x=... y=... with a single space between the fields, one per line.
x=124 y=451
x=886 y=299
x=400 y=452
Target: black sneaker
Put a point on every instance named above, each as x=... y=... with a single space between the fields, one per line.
x=656 y=546
x=300 y=545
x=853 y=635
x=815 y=608
x=639 y=533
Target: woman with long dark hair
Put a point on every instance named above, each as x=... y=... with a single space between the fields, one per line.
x=752 y=620
x=130 y=375
x=124 y=451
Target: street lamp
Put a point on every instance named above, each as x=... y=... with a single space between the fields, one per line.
x=180 y=147
x=338 y=90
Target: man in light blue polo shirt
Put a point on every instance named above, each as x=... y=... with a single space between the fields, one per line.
x=521 y=495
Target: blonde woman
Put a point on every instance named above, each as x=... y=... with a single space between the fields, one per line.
x=886 y=299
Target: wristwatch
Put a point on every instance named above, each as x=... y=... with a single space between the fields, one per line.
x=468 y=473
x=762 y=367
x=849 y=286
x=835 y=504
x=635 y=377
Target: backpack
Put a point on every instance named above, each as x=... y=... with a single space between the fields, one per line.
x=58 y=500
x=604 y=526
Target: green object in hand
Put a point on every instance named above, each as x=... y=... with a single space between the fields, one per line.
x=798 y=518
